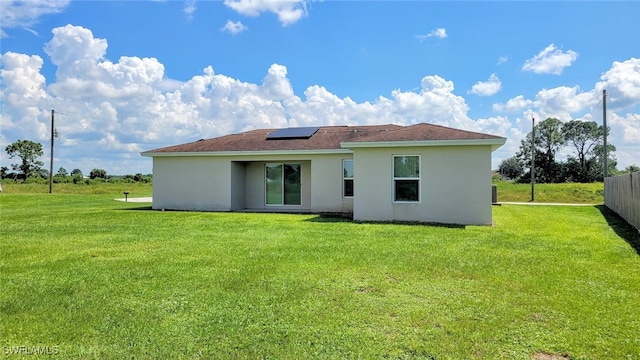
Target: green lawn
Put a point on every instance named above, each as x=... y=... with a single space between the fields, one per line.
x=573 y=193
x=93 y=278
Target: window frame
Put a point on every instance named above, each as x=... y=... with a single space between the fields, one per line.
x=345 y=179
x=283 y=183
x=395 y=178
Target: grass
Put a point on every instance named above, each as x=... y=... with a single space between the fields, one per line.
x=592 y=193
x=135 y=189
x=572 y=193
x=100 y=279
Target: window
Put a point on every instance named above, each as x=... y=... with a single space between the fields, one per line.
x=406 y=178
x=347 y=178
x=282 y=184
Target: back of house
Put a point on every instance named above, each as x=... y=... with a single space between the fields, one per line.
x=417 y=173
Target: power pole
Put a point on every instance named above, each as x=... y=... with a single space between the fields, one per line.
x=604 y=125
x=533 y=158
x=51 y=164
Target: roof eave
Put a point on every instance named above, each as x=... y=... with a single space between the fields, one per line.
x=494 y=143
x=246 y=153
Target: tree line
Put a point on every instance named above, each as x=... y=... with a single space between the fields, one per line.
x=29 y=168
x=585 y=164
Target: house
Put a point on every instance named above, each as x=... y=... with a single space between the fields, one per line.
x=417 y=173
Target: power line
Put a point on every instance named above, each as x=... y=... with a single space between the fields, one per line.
x=593 y=109
x=618 y=103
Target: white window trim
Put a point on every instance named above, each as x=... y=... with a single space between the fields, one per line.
x=393 y=180
x=346 y=178
x=282 y=186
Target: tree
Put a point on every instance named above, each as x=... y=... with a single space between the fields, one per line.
x=28 y=152
x=76 y=173
x=43 y=173
x=631 y=168
x=62 y=172
x=511 y=168
x=584 y=136
x=98 y=173
x=549 y=133
x=598 y=166
x=548 y=140
x=4 y=172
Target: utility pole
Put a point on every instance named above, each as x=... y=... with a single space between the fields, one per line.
x=51 y=164
x=604 y=125
x=533 y=158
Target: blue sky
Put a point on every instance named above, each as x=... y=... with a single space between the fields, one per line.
x=130 y=76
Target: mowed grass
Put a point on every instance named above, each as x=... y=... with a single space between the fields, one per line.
x=135 y=189
x=571 y=193
x=100 y=279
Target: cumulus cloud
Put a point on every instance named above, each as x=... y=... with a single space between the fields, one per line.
x=72 y=46
x=513 y=105
x=439 y=33
x=503 y=126
x=551 y=60
x=561 y=102
x=567 y=103
x=109 y=111
x=288 y=12
x=234 y=27
x=23 y=14
x=487 y=88
x=24 y=95
x=115 y=109
x=622 y=82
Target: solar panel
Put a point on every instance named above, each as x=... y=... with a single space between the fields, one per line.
x=293 y=133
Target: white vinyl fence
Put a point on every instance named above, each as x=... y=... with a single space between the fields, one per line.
x=622 y=195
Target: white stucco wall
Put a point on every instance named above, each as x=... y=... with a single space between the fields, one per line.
x=238 y=181
x=223 y=183
x=327 y=175
x=455 y=185
x=191 y=183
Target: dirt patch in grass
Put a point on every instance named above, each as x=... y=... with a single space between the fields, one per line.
x=548 y=356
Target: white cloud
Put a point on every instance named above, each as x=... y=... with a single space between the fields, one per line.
x=550 y=61
x=513 y=105
x=439 y=33
x=622 y=83
x=502 y=126
x=234 y=27
x=74 y=46
x=23 y=14
x=109 y=111
x=189 y=9
x=487 y=88
x=288 y=11
x=24 y=96
x=502 y=60
x=561 y=102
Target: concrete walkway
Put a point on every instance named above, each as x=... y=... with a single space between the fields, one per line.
x=137 y=199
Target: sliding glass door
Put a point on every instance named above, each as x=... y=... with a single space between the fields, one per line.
x=282 y=184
